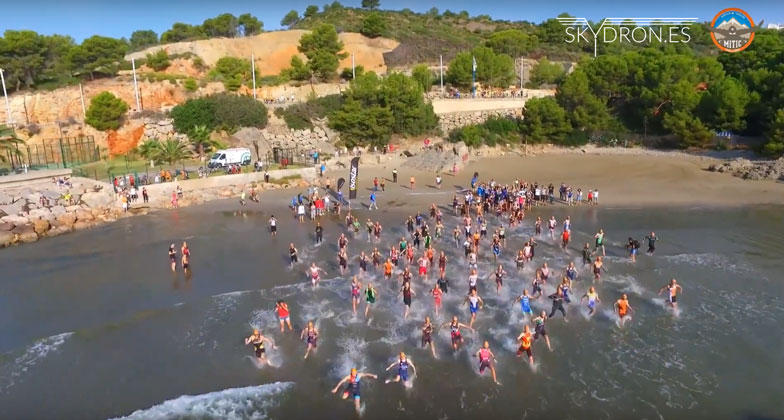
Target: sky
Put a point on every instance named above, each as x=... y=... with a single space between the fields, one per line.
x=84 y=18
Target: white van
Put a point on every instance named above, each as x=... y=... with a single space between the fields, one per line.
x=223 y=158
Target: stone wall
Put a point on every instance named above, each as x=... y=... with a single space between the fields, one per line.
x=449 y=122
x=162 y=129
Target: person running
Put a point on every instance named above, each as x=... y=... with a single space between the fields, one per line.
x=487 y=360
x=427 y=336
x=520 y=260
x=622 y=308
x=499 y=278
x=407 y=294
x=370 y=297
x=536 y=285
x=284 y=317
x=587 y=254
x=443 y=283
x=363 y=262
x=651 y=243
x=403 y=363
x=343 y=241
x=599 y=237
x=273 y=226
x=352 y=386
x=526 y=339
x=525 y=303
x=454 y=332
x=442 y=260
x=633 y=246
x=540 y=330
x=257 y=340
x=473 y=279
x=342 y=261
x=475 y=303
x=293 y=255
x=571 y=272
x=538 y=226
x=565 y=239
x=566 y=287
x=437 y=294
x=310 y=335
x=598 y=267
x=388 y=266
x=593 y=299
x=558 y=299
x=376 y=257
x=438 y=181
x=356 y=287
x=315 y=274
x=422 y=262
x=173 y=257
x=373 y=204
x=319 y=233
x=672 y=288
x=551 y=224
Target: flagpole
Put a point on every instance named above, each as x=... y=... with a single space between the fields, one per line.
x=441 y=69
x=353 y=68
x=5 y=94
x=253 y=72
x=135 y=85
x=473 y=77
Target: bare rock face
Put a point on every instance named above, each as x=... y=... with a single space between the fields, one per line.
x=5 y=199
x=40 y=226
x=5 y=226
x=66 y=219
x=15 y=220
x=57 y=210
x=14 y=208
x=22 y=229
x=59 y=230
x=82 y=225
x=752 y=170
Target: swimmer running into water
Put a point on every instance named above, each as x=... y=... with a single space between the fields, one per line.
x=672 y=288
x=173 y=257
x=475 y=303
x=315 y=274
x=356 y=286
x=352 y=386
x=539 y=329
x=427 y=336
x=310 y=335
x=258 y=345
x=282 y=310
x=370 y=297
x=525 y=303
x=622 y=307
x=454 y=330
x=593 y=299
x=403 y=363
x=526 y=339
x=487 y=360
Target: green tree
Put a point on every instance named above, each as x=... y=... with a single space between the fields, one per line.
x=373 y=25
x=370 y=4
x=22 y=56
x=193 y=112
x=9 y=143
x=775 y=135
x=298 y=70
x=348 y=74
x=223 y=25
x=171 y=151
x=310 y=11
x=291 y=19
x=183 y=32
x=148 y=149
x=546 y=73
x=142 y=39
x=723 y=107
x=492 y=69
x=201 y=141
x=424 y=76
x=249 y=25
x=191 y=85
x=688 y=128
x=323 y=49
x=432 y=12
x=544 y=121
x=411 y=115
x=106 y=112
x=232 y=112
x=158 y=60
x=232 y=71
x=512 y=42
x=362 y=125
x=97 y=54
x=585 y=110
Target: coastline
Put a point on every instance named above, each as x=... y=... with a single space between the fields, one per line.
x=633 y=178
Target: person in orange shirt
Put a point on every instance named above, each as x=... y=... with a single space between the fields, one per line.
x=526 y=338
x=622 y=307
x=388 y=269
x=413 y=182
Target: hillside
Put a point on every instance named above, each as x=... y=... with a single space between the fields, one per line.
x=273 y=50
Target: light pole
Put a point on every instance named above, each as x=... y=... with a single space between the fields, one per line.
x=5 y=95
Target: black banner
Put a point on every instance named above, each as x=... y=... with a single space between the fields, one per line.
x=341 y=182
x=352 y=178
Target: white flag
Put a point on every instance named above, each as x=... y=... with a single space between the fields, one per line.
x=473 y=68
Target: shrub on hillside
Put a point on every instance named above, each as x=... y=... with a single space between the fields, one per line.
x=233 y=112
x=192 y=113
x=106 y=112
x=159 y=60
x=191 y=85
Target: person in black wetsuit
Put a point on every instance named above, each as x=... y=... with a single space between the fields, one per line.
x=558 y=298
x=319 y=233
x=651 y=243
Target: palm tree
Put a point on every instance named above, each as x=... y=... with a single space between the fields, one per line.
x=149 y=149
x=200 y=138
x=9 y=143
x=171 y=151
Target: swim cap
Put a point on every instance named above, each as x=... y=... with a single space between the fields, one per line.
x=255 y=332
x=353 y=371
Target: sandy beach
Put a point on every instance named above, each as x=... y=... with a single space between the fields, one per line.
x=639 y=178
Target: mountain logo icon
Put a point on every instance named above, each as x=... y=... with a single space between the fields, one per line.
x=732 y=30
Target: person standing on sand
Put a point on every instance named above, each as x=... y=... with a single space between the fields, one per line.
x=394 y=175
x=596 y=197
x=373 y=201
x=412 y=180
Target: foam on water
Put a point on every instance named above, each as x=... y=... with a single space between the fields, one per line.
x=714 y=261
x=11 y=372
x=253 y=402
x=352 y=356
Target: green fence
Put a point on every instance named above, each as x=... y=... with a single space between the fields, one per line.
x=65 y=152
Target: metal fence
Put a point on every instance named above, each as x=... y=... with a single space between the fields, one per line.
x=284 y=156
x=64 y=152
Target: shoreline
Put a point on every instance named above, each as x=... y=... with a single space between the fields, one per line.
x=626 y=178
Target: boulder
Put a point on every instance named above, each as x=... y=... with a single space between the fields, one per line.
x=15 y=220
x=20 y=229
x=97 y=199
x=5 y=199
x=57 y=210
x=82 y=225
x=66 y=219
x=6 y=238
x=84 y=215
x=13 y=208
x=28 y=237
x=43 y=213
x=71 y=209
x=34 y=197
x=59 y=230
x=5 y=226
x=52 y=195
x=40 y=226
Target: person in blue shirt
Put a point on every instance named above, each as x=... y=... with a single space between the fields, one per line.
x=373 y=201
